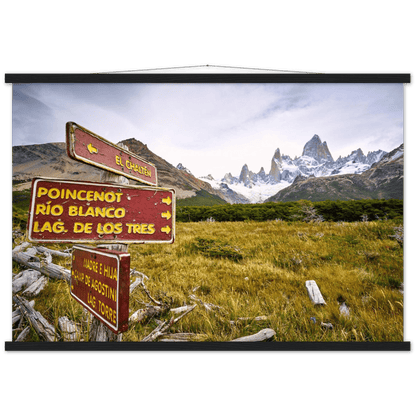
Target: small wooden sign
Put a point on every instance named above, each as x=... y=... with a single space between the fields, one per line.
x=88 y=147
x=100 y=282
x=75 y=211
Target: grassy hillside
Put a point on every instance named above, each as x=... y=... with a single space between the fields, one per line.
x=259 y=269
x=202 y=198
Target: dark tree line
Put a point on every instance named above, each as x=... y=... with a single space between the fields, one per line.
x=349 y=211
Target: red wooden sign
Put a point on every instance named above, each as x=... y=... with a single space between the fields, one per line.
x=88 y=147
x=100 y=281
x=74 y=211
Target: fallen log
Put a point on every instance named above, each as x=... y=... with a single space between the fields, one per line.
x=23 y=335
x=51 y=270
x=181 y=337
x=17 y=313
x=35 y=288
x=262 y=335
x=42 y=327
x=53 y=252
x=21 y=247
x=24 y=279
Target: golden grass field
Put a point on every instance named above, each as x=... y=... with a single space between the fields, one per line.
x=259 y=269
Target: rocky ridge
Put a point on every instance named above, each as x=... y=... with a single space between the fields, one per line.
x=384 y=179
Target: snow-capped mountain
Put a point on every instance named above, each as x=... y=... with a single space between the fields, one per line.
x=316 y=160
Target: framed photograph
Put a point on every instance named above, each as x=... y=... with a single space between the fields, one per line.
x=208 y=212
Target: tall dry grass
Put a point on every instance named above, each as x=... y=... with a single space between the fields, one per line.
x=252 y=269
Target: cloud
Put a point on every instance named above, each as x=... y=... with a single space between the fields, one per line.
x=216 y=128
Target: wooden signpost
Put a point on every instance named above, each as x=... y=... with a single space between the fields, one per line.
x=86 y=146
x=89 y=212
x=100 y=281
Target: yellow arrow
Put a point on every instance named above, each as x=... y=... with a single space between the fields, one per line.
x=165 y=229
x=92 y=149
x=167 y=200
x=166 y=215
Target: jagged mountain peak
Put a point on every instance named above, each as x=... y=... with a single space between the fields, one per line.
x=317 y=150
x=183 y=168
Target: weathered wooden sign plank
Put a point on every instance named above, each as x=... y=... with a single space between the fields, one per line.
x=100 y=281
x=86 y=146
x=75 y=211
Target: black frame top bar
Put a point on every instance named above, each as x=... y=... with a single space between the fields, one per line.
x=206 y=78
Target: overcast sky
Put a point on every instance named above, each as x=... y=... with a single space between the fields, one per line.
x=216 y=128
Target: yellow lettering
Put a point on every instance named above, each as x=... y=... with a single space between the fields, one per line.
x=36 y=227
x=72 y=211
x=100 y=212
x=42 y=191
x=110 y=197
x=54 y=193
x=119 y=212
x=78 y=227
x=72 y=194
x=90 y=212
x=79 y=195
x=98 y=196
x=119 y=161
x=40 y=209
x=151 y=229
x=46 y=227
x=58 y=227
x=108 y=213
x=90 y=195
x=57 y=210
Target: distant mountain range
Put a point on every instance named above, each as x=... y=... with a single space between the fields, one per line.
x=316 y=161
x=315 y=175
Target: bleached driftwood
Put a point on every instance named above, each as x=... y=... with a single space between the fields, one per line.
x=51 y=270
x=21 y=247
x=138 y=281
x=327 y=325
x=262 y=335
x=181 y=337
x=17 y=313
x=207 y=306
x=24 y=279
x=148 y=312
x=69 y=329
x=36 y=287
x=164 y=326
x=23 y=335
x=43 y=328
x=181 y=309
x=314 y=293
x=53 y=252
x=31 y=251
